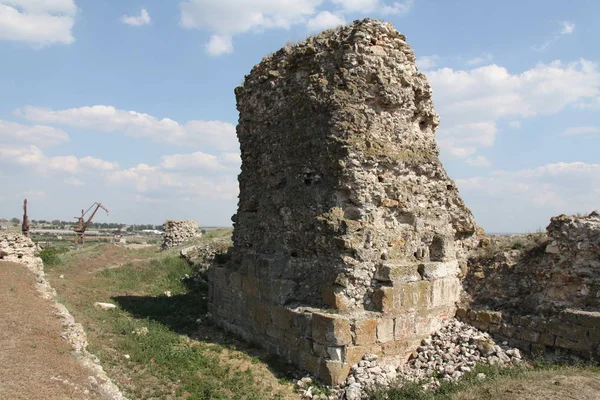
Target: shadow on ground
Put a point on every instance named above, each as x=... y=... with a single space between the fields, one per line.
x=184 y=314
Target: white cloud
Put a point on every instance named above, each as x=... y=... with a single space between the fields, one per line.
x=582 y=130
x=32 y=157
x=73 y=182
x=487 y=57
x=381 y=7
x=470 y=103
x=214 y=134
x=142 y=19
x=427 y=62
x=39 y=22
x=554 y=188
x=154 y=182
x=36 y=134
x=515 y=124
x=324 y=20
x=219 y=45
x=566 y=28
x=479 y=162
x=227 y=18
x=201 y=161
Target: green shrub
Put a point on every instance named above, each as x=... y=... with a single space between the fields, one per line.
x=52 y=256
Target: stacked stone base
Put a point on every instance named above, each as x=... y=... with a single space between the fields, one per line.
x=323 y=342
x=571 y=331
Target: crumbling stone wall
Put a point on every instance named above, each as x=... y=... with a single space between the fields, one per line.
x=17 y=248
x=349 y=234
x=570 y=331
x=560 y=272
x=177 y=232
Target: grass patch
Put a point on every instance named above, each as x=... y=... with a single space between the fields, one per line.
x=52 y=256
x=158 y=334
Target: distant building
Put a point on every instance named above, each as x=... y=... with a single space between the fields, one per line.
x=3 y=228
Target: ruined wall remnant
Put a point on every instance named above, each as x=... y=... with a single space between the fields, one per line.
x=561 y=272
x=17 y=248
x=177 y=232
x=349 y=234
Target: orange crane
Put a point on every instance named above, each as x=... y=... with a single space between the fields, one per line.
x=82 y=225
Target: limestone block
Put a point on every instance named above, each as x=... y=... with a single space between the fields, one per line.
x=365 y=331
x=385 y=330
x=330 y=329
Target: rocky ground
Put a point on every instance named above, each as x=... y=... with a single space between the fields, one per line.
x=445 y=356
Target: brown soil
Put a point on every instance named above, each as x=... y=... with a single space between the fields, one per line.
x=35 y=363
x=538 y=385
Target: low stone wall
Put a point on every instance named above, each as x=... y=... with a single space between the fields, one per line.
x=17 y=248
x=177 y=232
x=323 y=342
x=570 y=331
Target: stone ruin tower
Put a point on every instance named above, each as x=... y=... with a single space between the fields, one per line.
x=349 y=233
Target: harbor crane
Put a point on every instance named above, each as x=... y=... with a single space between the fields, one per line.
x=82 y=224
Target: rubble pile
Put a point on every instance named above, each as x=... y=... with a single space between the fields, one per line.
x=177 y=232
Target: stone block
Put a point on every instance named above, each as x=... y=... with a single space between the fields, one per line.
x=334 y=372
x=302 y=323
x=250 y=286
x=444 y=292
x=529 y=335
x=336 y=353
x=385 y=330
x=235 y=282
x=331 y=329
x=281 y=317
x=412 y=296
x=491 y=317
x=438 y=270
x=461 y=313
x=383 y=300
x=508 y=330
x=583 y=348
x=547 y=339
x=397 y=273
x=312 y=364
x=404 y=327
x=334 y=297
x=520 y=344
x=365 y=331
x=588 y=319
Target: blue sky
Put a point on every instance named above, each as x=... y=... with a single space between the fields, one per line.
x=131 y=103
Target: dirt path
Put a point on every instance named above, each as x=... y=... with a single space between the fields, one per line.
x=35 y=363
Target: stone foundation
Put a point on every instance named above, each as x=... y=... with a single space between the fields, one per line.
x=571 y=331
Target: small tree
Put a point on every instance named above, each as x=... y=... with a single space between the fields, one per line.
x=15 y=221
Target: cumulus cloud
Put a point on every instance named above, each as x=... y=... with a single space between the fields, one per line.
x=527 y=198
x=154 y=182
x=38 y=22
x=219 y=45
x=73 y=182
x=324 y=20
x=566 y=28
x=40 y=135
x=227 y=18
x=471 y=102
x=381 y=7
x=142 y=19
x=479 y=162
x=201 y=161
x=487 y=57
x=32 y=157
x=196 y=133
x=427 y=62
